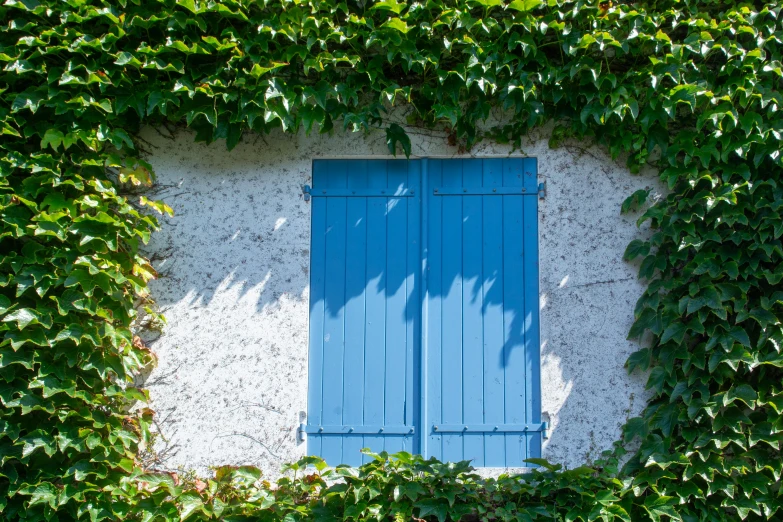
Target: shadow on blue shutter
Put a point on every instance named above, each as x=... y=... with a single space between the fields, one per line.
x=482 y=369
x=364 y=309
x=479 y=359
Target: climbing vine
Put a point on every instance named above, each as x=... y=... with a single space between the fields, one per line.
x=692 y=87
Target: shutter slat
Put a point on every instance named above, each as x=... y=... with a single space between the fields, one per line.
x=375 y=337
x=532 y=343
x=492 y=282
x=472 y=305
x=334 y=320
x=413 y=308
x=355 y=284
x=395 y=276
x=451 y=312
x=484 y=279
x=317 y=305
x=513 y=307
x=433 y=378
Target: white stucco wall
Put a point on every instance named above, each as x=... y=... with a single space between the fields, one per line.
x=231 y=384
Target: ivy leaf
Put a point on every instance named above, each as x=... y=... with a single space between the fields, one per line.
x=636 y=427
x=665 y=419
x=156 y=100
x=38 y=439
x=152 y=481
x=743 y=392
x=29 y=99
x=740 y=335
x=525 y=5
x=44 y=493
x=131 y=100
x=320 y=92
x=8 y=129
x=750 y=120
x=5 y=304
x=389 y=5
x=126 y=58
x=761 y=316
x=657 y=379
x=23 y=317
x=432 y=506
x=633 y=107
x=675 y=331
x=543 y=463
x=606 y=497
x=22 y=357
x=209 y=113
x=448 y=112
x=635 y=200
x=53 y=138
x=397 y=24
x=396 y=134
x=190 y=5
x=190 y=503
x=636 y=248
x=257 y=70
x=310 y=115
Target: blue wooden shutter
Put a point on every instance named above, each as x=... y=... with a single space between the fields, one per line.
x=481 y=370
x=471 y=390
x=364 y=309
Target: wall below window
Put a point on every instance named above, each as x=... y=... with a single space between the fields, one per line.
x=231 y=383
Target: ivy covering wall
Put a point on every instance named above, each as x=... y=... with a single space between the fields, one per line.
x=690 y=86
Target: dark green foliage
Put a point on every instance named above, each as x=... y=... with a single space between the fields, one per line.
x=692 y=87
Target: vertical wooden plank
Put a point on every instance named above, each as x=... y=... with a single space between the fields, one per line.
x=413 y=311
x=494 y=371
x=355 y=285
x=451 y=321
x=396 y=296
x=375 y=303
x=433 y=326
x=472 y=304
x=334 y=312
x=532 y=343
x=513 y=313
x=316 y=333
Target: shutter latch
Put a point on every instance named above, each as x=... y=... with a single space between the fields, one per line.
x=306 y=192
x=542 y=190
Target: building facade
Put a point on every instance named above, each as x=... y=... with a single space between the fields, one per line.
x=478 y=310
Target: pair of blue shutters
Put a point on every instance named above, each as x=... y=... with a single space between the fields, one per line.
x=424 y=310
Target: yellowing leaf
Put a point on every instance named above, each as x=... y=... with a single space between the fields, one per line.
x=399 y=25
x=258 y=70
x=390 y=5
x=525 y=5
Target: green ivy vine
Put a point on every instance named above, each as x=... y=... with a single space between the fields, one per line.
x=692 y=87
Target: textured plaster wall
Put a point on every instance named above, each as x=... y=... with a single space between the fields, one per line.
x=231 y=384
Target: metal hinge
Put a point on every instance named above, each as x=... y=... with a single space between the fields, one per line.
x=301 y=433
x=306 y=192
x=542 y=193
